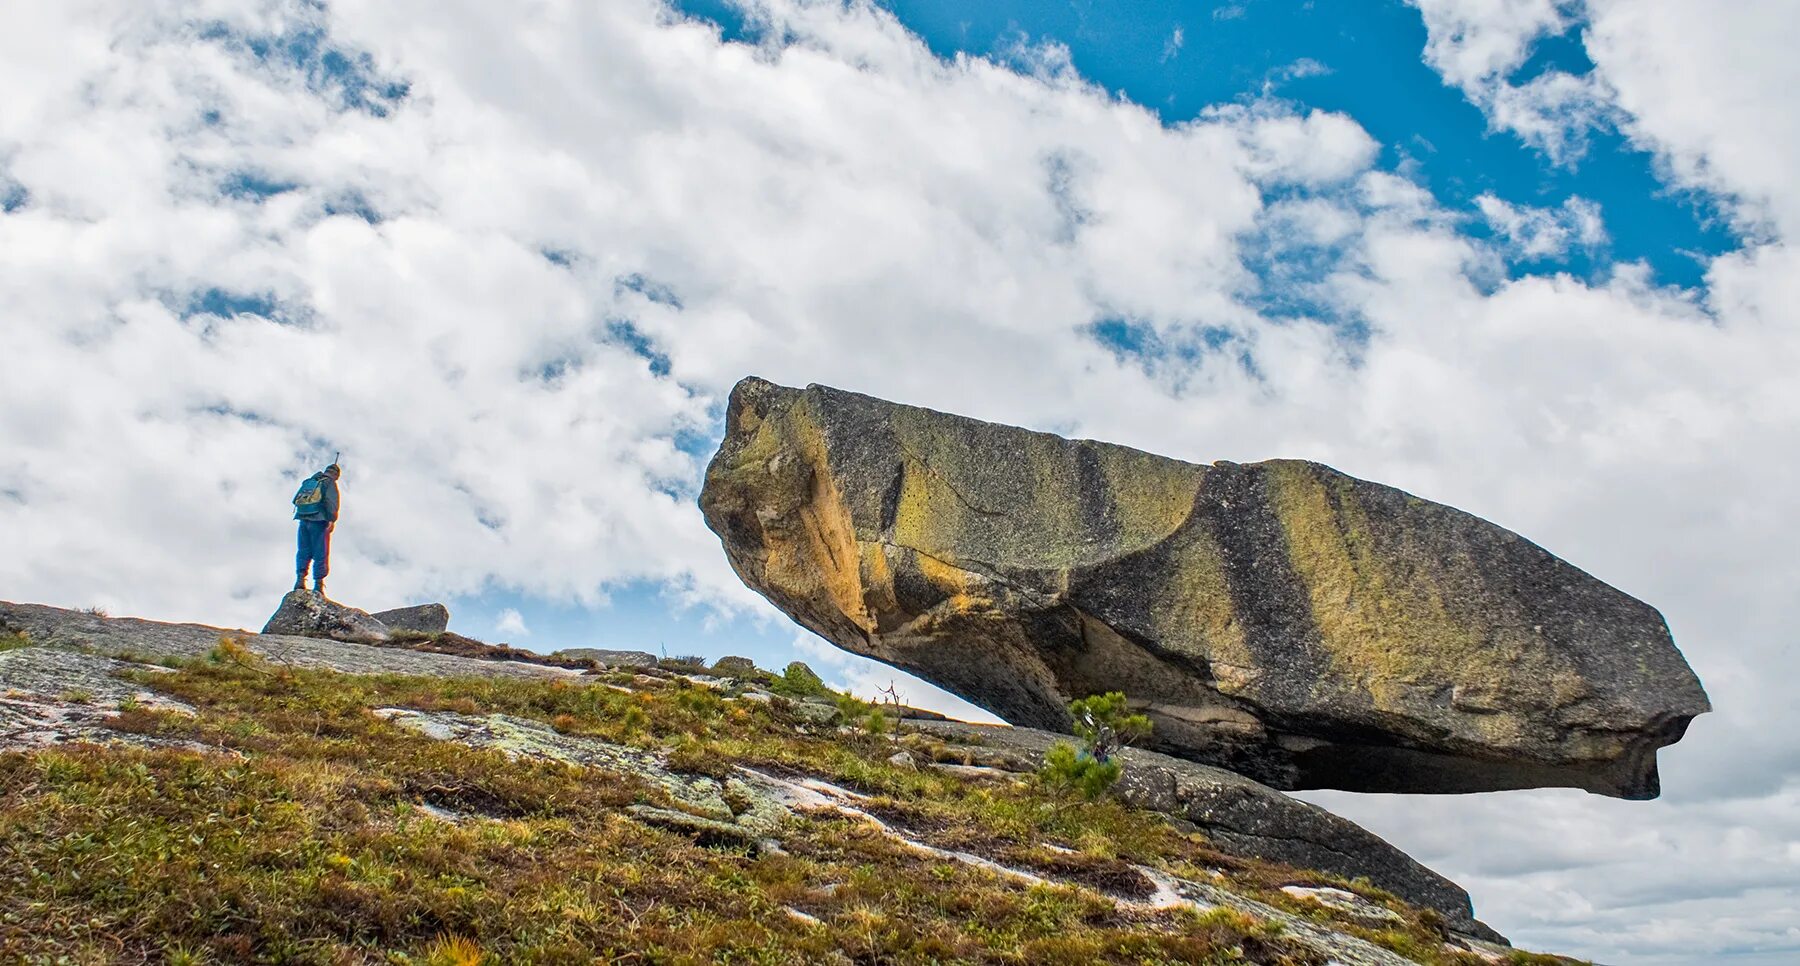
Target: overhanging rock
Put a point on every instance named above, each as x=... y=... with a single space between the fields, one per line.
x=1280 y=619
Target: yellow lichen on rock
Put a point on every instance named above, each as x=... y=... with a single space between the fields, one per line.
x=1388 y=630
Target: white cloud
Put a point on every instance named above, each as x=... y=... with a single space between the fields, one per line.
x=1706 y=87
x=583 y=235
x=511 y=624
x=1472 y=42
x=1532 y=232
x=1478 y=45
x=1172 y=46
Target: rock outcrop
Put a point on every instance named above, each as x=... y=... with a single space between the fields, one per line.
x=136 y=639
x=419 y=618
x=305 y=614
x=1237 y=815
x=1279 y=619
x=606 y=657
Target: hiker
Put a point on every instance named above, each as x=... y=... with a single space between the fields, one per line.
x=316 y=507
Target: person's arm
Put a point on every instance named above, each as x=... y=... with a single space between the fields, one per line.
x=331 y=501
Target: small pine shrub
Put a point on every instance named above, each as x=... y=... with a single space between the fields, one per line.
x=1071 y=771
x=1101 y=721
x=801 y=681
x=1104 y=726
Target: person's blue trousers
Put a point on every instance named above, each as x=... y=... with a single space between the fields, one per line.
x=315 y=548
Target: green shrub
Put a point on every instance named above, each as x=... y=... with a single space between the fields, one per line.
x=1104 y=727
x=800 y=681
x=1101 y=721
x=1071 y=771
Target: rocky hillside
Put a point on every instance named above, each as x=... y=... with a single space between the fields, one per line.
x=181 y=793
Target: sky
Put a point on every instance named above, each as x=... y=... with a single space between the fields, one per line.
x=1532 y=258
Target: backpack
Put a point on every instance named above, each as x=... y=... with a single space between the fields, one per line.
x=310 y=498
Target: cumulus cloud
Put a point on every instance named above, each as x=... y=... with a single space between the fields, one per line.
x=511 y=267
x=1479 y=45
x=1531 y=232
x=511 y=623
x=1698 y=85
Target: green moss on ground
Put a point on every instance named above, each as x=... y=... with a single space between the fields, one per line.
x=310 y=833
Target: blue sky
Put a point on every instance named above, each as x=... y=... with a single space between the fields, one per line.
x=1357 y=58
x=1532 y=258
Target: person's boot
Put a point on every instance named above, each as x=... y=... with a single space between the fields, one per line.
x=319 y=586
x=300 y=580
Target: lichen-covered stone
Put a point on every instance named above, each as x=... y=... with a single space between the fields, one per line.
x=734 y=666
x=1281 y=619
x=750 y=807
x=608 y=658
x=419 y=618
x=1238 y=816
x=50 y=696
x=305 y=614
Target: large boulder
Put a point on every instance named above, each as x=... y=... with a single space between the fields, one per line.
x=419 y=618
x=1280 y=619
x=305 y=614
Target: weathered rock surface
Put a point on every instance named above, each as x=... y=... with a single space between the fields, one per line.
x=419 y=618
x=734 y=666
x=305 y=614
x=1281 y=619
x=51 y=697
x=608 y=658
x=1239 y=816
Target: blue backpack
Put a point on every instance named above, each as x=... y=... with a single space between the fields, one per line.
x=310 y=498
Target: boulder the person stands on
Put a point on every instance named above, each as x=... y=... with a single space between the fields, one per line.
x=305 y=614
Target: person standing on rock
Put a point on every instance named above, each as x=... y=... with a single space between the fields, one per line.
x=316 y=507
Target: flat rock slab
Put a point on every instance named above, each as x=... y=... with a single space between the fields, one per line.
x=1281 y=619
x=144 y=639
x=51 y=697
x=524 y=738
x=608 y=658
x=1333 y=944
x=1238 y=815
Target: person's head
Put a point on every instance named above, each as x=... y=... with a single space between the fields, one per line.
x=334 y=471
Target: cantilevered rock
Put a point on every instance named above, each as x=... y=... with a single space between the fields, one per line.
x=1280 y=619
